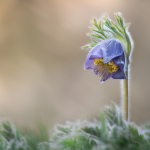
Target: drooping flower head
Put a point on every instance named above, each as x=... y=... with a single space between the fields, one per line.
x=107 y=59
x=110 y=56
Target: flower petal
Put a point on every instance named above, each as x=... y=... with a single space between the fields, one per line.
x=88 y=64
x=120 y=61
x=119 y=75
x=111 y=49
x=96 y=52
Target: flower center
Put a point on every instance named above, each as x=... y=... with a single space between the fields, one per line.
x=112 y=67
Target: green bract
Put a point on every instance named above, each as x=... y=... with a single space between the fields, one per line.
x=107 y=29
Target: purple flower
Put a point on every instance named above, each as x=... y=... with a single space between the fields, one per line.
x=107 y=59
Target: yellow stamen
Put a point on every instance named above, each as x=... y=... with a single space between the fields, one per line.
x=111 y=65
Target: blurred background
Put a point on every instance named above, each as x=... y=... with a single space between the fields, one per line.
x=41 y=61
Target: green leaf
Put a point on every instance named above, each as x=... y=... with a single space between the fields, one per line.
x=86 y=46
x=99 y=24
x=118 y=28
x=95 y=30
x=94 y=41
x=64 y=129
x=126 y=26
x=97 y=36
x=93 y=44
x=119 y=20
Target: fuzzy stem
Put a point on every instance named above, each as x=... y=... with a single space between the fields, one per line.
x=126 y=97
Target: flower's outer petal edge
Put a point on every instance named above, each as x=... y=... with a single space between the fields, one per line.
x=118 y=75
x=96 y=52
x=120 y=61
x=111 y=49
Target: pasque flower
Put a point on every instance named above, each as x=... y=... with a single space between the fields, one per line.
x=110 y=53
x=107 y=59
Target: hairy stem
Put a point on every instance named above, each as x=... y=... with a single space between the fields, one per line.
x=126 y=97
